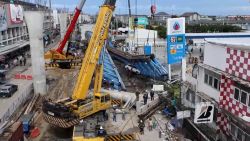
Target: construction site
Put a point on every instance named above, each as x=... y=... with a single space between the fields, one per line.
x=86 y=79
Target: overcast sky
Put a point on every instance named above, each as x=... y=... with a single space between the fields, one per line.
x=205 y=7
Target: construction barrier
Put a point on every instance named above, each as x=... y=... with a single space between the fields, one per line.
x=116 y=102
x=35 y=133
x=56 y=65
x=121 y=137
x=23 y=76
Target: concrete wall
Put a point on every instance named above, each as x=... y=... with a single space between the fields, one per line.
x=215 y=56
x=144 y=33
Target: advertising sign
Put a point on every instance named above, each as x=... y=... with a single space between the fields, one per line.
x=143 y=21
x=204 y=113
x=175 y=40
x=14 y=15
x=3 y=19
x=147 y=50
x=183 y=114
x=176 y=26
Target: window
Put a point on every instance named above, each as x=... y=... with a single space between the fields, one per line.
x=206 y=79
x=247 y=137
x=236 y=93
x=187 y=96
x=210 y=80
x=193 y=98
x=243 y=98
x=240 y=134
x=233 y=130
x=102 y=99
x=248 y=100
x=216 y=83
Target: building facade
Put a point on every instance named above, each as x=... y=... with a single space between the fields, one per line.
x=224 y=80
x=14 y=38
x=191 y=16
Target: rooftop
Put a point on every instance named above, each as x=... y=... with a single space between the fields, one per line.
x=162 y=14
x=187 y=14
x=237 y=43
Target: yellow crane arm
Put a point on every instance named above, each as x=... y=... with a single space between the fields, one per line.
x=93 y=51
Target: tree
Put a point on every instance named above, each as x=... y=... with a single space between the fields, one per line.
x=161 y=31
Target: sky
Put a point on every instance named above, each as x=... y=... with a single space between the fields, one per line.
x=204 y=7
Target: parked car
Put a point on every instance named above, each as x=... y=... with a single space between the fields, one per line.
x=7 y=90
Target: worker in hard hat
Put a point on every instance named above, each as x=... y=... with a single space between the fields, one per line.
x=101 y=132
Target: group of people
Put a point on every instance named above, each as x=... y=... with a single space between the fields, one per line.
x=115 y=114
x=151 y=124
x=17 y=61
x=145 y=96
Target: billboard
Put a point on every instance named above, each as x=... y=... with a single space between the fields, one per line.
x=176 y=26
x=143 y=21
x=14 y=15
x=204 y=113
x=3 y=19
x=175 y=40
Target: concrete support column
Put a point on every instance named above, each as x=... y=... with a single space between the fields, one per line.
x=63 y=24
x=183 y=68
x=35 y=20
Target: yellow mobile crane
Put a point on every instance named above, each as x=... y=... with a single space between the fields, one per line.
x=69 y=111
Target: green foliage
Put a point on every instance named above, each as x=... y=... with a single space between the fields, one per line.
x=211 y=28
x=161 y=31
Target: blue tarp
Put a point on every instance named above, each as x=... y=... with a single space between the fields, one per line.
x=110 y=72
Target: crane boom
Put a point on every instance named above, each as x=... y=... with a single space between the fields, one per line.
x=69 y=111
x=93 y=52
x=71 y=26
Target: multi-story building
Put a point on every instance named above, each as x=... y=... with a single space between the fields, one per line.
x=191 y=16
x=13 y=29
x=223 y=79
x=238 y=17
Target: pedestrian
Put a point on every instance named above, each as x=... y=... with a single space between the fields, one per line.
x=200 y=50
x=24 y=61
x=21 y=62
x=145 y=98
x=137 y=93
x=152 y=94
x=123 y=115
x=6 y=66
x=141 y=126
x=192 y=50
x=15 y=62
x=150 y=124
x=114 y=116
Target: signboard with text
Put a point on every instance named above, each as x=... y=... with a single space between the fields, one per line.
x=175 y=40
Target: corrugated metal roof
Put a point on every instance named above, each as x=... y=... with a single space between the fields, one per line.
x=237 y=43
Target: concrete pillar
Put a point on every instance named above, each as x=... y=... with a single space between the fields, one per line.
x=63 y=24
x=183 y=68
x=35 y=28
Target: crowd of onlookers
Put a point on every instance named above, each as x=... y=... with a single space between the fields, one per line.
x=20 y=60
